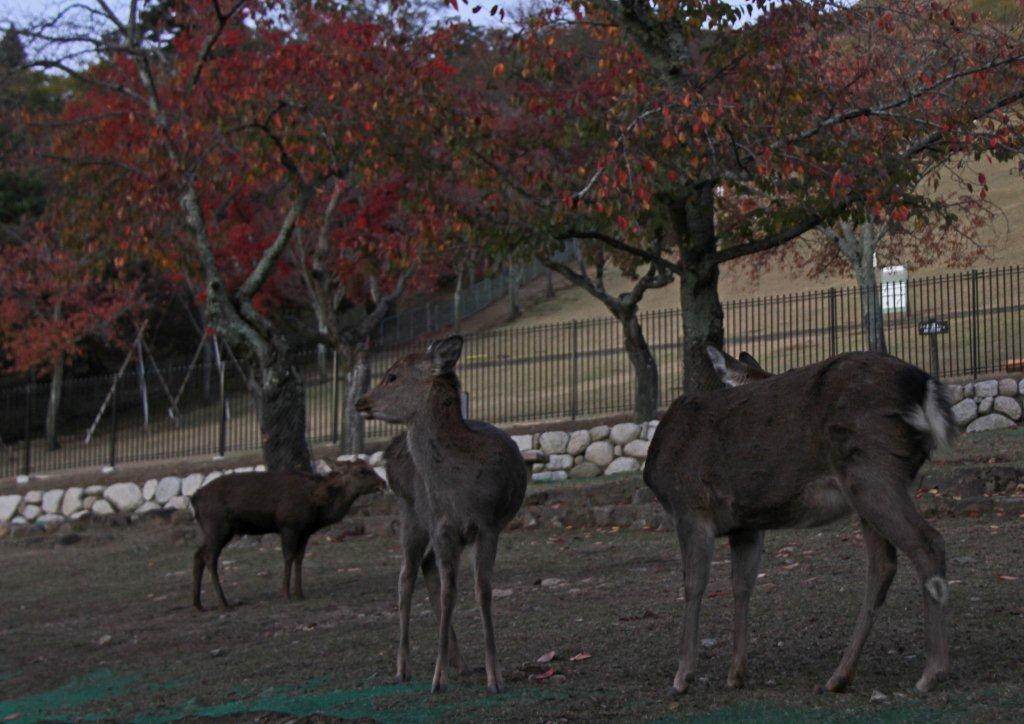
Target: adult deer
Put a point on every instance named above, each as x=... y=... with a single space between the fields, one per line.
x=469 y=482
x=804 y=449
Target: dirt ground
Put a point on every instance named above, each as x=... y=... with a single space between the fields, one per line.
x=100 y=628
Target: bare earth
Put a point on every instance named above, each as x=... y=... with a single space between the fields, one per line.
x=101 y=628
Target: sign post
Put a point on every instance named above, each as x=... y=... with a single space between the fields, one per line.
x=932 y=329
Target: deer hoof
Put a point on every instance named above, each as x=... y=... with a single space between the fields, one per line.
x=928 y=681
x=836 y=685
x=438 y=687
x=496 y=688
x=673 y=693
x=735 y=681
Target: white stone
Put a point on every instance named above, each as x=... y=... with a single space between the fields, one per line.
x=166 y=489
x=578 y=442
x=624 y=432
x=210 y=477
x=1007 y=387
x=637 y=448
x=553 y=442
x=19 y=520
x=523 y=442
x=34 y=496
x=559 y=462
x=95 y=490
x=261 y=468
x=107 y=469
x=550 y=476
x=600 y=453
x=77 y=515
x=8 y=506
x=72 y=502
x=178 y=502
x=1020 y=387
x=50 y=519
x=991 y=422
x=147 y=507
x=969 y=389
x=149 y=489
x=617 y=450
x=243 y=470
x=622 y=465
x=988 y=388
x=599 y=433
x=320 y=467
x=31 y=511
x=21 y=479
x=51 y=500
x=954 y=393
x=102 y=507
x=126 y=497
x=1003 y=405
x=191 y=484
x=985 y=405
x=87 y=501
x=965 y=411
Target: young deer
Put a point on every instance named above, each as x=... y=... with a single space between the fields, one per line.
x=296 y=505
x=465 y=483
x=804 y=449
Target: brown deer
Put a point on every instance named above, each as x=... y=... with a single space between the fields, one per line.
x=804 y=449
x=468 y=481
x=296 y=505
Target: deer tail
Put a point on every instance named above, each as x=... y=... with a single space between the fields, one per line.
x=933 y=417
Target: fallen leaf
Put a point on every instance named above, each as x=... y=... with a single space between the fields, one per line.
x=715 y=594
x=543 y=677
x=1004 y=577
x=582 y=656
x=546 y=658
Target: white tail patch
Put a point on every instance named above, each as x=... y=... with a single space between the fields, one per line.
x=938 y=589
x=932 y=417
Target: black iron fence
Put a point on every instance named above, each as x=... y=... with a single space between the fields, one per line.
x=527 y=374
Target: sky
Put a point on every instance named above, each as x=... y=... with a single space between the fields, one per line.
x=22 y=10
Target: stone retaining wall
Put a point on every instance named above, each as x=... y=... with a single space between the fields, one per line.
x=554 y=456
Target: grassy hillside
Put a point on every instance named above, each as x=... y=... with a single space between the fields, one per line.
x=1003 y=242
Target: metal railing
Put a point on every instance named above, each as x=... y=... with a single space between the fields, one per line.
x=578 y=369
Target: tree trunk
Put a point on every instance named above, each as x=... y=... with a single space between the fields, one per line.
x=53 y=405
x=645 y=367
x=283 y=416
x=693 y=224
x=550 y=284
x=357 y=382
x=457 y=299
x=514 y=274
x=859 y=244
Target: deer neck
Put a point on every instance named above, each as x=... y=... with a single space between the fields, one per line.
x=437 y=428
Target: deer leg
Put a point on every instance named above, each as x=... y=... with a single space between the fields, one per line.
x=881 y=571
x=697 y=542
x=483 y=567
x=890 y=511
x=447 y=550
x=414 y=543
x=289 y=550
x=745 y=549
x=300 y=554
x=198 y=564
x=430 y=578
x=213 y=549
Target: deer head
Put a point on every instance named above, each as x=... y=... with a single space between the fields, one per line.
x=348 y=481
x=735 y=372
x=409 y=383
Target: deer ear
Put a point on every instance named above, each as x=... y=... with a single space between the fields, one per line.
x=444 y=353
x=749 y=360
x=729 y=371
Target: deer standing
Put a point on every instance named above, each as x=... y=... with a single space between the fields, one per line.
x=804 y=449
x=468 y=481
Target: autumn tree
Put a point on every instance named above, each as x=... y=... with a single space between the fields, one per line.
x=704 y=103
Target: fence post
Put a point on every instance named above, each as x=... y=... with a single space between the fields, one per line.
x=933 y=340
x=832 y=331
x=113 y=425
x=974 y=323
x=26 y=467
x=222 y=437
x=574 y=395
x=334 y=399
